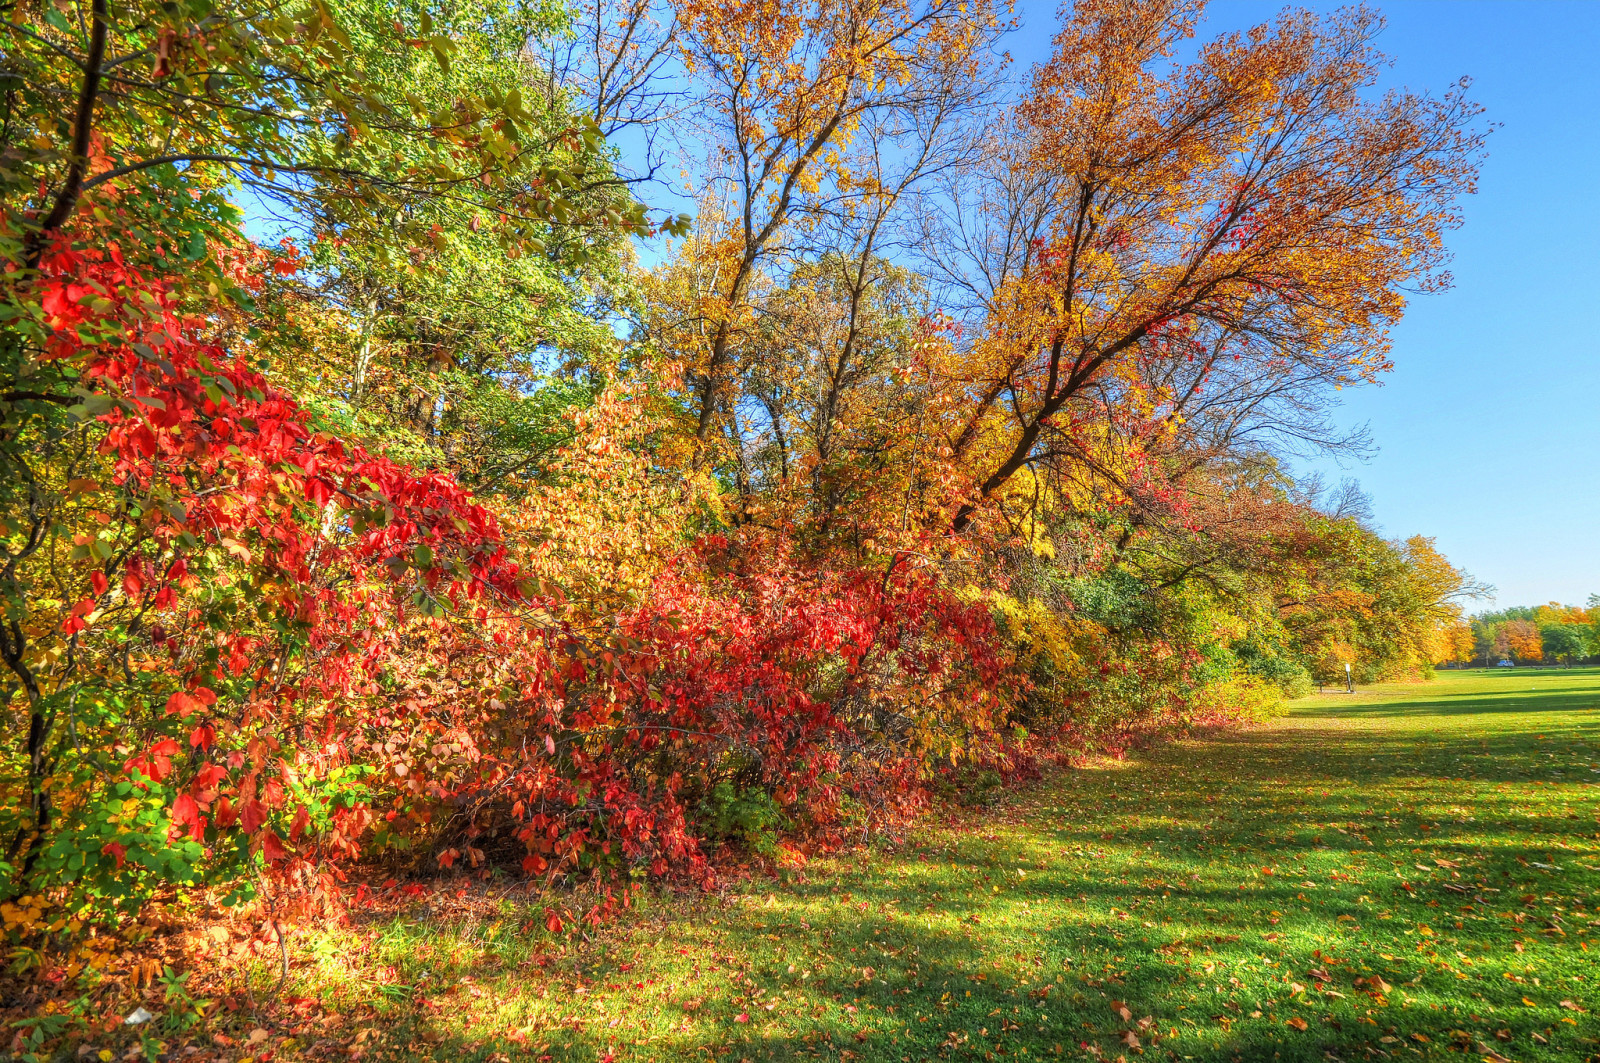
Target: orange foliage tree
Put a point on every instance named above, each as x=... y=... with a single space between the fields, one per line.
x=1253 y=216
x=1522 y=641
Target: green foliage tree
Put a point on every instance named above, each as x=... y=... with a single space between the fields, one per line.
x=1567 y=643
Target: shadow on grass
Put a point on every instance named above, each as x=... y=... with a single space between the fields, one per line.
x=1240 y=893
x=1487 y=692
x=1002 y=988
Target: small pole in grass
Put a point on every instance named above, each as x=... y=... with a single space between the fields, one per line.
x=1349 y=680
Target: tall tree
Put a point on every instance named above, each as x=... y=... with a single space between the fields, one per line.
x=788 y=86
x=1255 y=213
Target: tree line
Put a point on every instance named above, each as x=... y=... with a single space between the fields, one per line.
x=394 y=471
x=1552 y=633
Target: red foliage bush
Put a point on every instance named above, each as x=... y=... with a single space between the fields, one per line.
x=335 y=654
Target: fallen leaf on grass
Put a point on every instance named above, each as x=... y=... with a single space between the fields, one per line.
x=1122 y=1011
x=1570 y=1006
x=1297 y=1022
x=1491 y=1055
x=1130 y=1039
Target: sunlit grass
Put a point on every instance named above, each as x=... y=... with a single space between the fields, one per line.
x=1408 y=871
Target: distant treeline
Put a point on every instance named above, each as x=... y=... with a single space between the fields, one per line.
x=1523 y=634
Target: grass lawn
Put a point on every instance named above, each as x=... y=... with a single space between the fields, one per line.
x=1410 y=871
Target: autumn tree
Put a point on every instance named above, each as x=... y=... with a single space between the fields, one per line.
x=1523 y=641
x=787 y=89
x=1254 y=215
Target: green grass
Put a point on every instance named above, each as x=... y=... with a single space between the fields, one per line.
x=1226 y=890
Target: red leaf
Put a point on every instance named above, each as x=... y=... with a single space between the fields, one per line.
x=252 y=814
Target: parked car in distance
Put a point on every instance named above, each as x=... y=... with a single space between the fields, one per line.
x=1506 y=664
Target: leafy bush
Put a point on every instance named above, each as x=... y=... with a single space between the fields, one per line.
x=750 y=817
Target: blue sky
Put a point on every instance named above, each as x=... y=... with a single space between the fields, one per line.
x=1487 y=428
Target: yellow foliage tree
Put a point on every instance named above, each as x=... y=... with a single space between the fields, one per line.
x=1255 y=212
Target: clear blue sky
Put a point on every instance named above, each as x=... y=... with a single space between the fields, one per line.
x=1489 y=426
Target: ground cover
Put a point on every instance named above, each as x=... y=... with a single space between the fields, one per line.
x=1410 y=871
